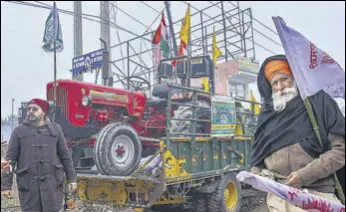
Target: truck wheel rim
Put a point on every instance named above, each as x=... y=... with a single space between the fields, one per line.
x=231 y=196
x=123 y=151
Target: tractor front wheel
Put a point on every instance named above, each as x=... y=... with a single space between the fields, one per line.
x=118 y=150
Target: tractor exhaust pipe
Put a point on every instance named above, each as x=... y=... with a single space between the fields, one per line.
x=105 y=68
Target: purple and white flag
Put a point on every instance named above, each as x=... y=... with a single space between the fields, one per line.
x=313 y=69
x=299 y=198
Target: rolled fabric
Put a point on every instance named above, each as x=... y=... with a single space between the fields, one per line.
x=299 y=198
x=152 y=164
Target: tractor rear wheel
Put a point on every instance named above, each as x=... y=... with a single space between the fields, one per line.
x=118 y=150
x=184 y=112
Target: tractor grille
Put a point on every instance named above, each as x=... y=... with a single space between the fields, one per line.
x=61 y=98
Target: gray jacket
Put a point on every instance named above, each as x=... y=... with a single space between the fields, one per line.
x=41 y=157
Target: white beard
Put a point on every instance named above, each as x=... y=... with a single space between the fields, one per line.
x=281 y=98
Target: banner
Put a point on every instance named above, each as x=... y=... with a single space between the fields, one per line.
x=223 y=116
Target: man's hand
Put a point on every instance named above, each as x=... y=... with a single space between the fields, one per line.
x=4 y=163
x=72 y=187
x=255 y=170
x=294 y=180
x=5 y=166
x=7 y=194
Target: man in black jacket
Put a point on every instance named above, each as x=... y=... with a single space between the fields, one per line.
x=285 y=145
x=40 y=154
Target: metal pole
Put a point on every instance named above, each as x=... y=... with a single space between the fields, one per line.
x=243 y=37
x=241 y=27
x=167 y=5
x=54 y=20
x=128 y=66
x=155 y=68
x=224 y=29
x=206 y=40
x=252 y=35
x=105 y=28
x=203 y=36
x=77 y=33
x=189 y=51
x=12 y=114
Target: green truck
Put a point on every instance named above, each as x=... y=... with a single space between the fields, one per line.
x=197 y=169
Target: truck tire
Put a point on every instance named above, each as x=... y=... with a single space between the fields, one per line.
x=118 y=150
x=227 y=196
x=184 y=112
x=200 y=204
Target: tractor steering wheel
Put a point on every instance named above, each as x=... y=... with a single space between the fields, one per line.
x=138 y=83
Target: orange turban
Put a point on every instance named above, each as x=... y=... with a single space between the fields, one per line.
x=276 y=66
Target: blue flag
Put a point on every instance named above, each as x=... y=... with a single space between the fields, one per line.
x=52 y=32
x=313 y=69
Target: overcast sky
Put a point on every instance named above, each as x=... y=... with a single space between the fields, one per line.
x=26 y=68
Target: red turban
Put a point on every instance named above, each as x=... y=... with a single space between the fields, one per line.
x=44 y=105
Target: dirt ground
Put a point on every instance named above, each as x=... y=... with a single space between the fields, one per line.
x=252 y=201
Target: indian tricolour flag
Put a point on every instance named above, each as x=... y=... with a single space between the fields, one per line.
x=160 y=41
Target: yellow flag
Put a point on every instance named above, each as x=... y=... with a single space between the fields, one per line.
x=255 y=106
x=185 y=29
x=216 y=51
x=239 y=129
x=205 y=84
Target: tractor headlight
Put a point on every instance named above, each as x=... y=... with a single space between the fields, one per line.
x=85 y=101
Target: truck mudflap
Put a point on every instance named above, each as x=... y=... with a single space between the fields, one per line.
x=139 y=191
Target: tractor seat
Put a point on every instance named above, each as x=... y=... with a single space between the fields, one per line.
x=161 y=91
x=156 y=102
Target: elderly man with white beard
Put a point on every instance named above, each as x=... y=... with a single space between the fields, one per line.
x=285 y=147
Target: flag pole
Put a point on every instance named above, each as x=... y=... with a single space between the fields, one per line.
x=54 y=24
x=189 y=48
x=54 y=75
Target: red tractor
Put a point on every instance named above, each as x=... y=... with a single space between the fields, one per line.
x=121 y=126
x=113 y=121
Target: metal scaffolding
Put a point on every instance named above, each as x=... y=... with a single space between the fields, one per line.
x=233 y=28
x=236 y=31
